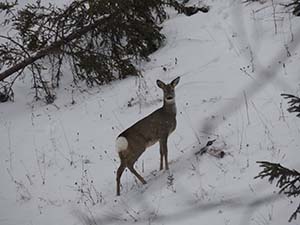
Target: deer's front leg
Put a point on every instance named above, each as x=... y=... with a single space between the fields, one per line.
x=164 y=149
x=161 y=167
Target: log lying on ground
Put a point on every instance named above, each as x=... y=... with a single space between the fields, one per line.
x=52 y=48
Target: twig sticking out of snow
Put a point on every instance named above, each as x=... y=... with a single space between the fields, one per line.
x=204 y=149
x=208 y=148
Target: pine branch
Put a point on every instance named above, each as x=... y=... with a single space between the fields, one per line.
x=48 y=50
x=294 y=102
x=7 y=6
x=294 y=215
x=288 y=181
x=186 y=10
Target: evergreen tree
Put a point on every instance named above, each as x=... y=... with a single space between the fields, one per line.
x=102 y=40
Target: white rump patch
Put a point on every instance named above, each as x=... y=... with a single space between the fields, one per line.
x=121 y=144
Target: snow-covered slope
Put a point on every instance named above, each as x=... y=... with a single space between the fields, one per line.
x=58 y=162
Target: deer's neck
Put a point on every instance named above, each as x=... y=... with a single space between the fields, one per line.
x=170 y=107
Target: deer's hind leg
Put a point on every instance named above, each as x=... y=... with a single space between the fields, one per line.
x=119 y=174
x=132 y=170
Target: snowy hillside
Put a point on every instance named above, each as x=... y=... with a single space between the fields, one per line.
x=58 y=162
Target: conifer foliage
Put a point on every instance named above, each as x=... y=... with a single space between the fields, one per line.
x=102 y=40
x=288 y=180
x=294 y=102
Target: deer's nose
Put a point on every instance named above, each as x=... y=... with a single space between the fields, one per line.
x=169 y=97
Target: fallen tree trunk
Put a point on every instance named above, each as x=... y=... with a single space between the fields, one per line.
x=54 y=47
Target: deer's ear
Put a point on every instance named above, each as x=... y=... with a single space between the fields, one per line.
x=160 y=84
x=175 y=81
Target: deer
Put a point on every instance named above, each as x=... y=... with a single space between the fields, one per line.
x=156 y=127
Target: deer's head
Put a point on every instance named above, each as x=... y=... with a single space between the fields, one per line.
x=168 y=89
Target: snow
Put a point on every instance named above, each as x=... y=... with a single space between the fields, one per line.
x=58 y=162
